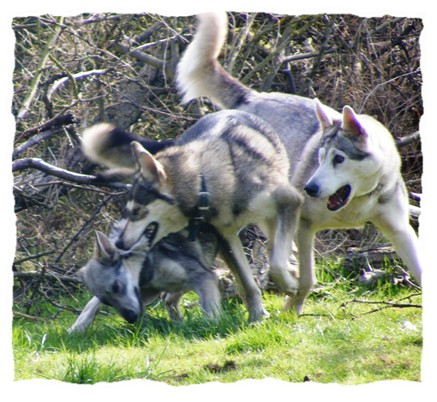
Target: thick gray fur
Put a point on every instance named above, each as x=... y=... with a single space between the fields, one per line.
x=172 y=268
x=245 y=168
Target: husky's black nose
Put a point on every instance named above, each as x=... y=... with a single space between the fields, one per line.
x=312 y=189
x=130 y=316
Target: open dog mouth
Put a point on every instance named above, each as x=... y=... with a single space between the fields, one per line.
x=150 y=232
x=340 y=198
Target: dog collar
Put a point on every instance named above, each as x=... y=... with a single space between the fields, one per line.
x=201 y=210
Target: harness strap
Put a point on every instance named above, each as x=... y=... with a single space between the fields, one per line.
x=201 y=212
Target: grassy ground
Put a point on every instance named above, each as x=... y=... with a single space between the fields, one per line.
x=343 y=337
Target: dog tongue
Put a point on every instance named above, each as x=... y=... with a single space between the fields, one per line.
x=338 y=199
x=334 y=202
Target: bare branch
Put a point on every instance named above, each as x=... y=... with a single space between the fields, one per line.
x=39 y=164
x=30 y=143
x=408 y=139
x=37 y=274
x=28 y=316
x=309 y=55
x=77 y=76
x=33 y=257
x=384 y=305
x=36 y=79
x=139 y=55
x=148 y=32
x=410 y=73
x=83 y=227
x=57 y=121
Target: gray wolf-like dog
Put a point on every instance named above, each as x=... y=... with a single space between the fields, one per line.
x=175 y=266
x=230 y=169
x=347 y=165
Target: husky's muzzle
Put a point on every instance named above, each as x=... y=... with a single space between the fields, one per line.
x=340 y=198
x=335 y=201
x=130 y=315
x=149 y=233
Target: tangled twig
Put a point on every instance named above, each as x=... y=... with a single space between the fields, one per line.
x=385 y=304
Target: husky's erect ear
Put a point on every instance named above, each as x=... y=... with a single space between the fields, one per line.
x=149 y=167
x=352 y=126
x=104 y=251
x=324 y=120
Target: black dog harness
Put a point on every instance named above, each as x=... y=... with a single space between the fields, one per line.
x=201 y=211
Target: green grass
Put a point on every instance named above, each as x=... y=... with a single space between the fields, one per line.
x=337 y=340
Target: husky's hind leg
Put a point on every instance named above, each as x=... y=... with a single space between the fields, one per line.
x=283 y=274
x=172 y=304
x=307 y=279
x=280 y=231
x=232 y=252
x=209 y=295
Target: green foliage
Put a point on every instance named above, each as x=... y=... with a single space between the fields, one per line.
x=348 y=335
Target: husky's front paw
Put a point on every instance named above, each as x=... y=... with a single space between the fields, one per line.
x=295 y=302
x=257 y=314
x=292 y=288
x=283 y=272
x=287 y=281
x=76 y=329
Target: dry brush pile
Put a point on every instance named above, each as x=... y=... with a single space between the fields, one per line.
x=74 y=71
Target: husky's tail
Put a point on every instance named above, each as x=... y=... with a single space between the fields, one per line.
x=110 y=146
x=200 y=74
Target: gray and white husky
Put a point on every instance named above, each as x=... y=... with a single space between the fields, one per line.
x=230 y=169
x=346 y=164
x=175 y=266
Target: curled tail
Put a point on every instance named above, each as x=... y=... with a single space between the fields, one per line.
x=200 y=74
x=110 y=146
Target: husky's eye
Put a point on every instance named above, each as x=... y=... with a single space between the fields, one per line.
x=137 y=213
x=338 y=159
x=115 y=287
x=125 y=212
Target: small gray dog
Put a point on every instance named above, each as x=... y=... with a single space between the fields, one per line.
x=175 y=266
